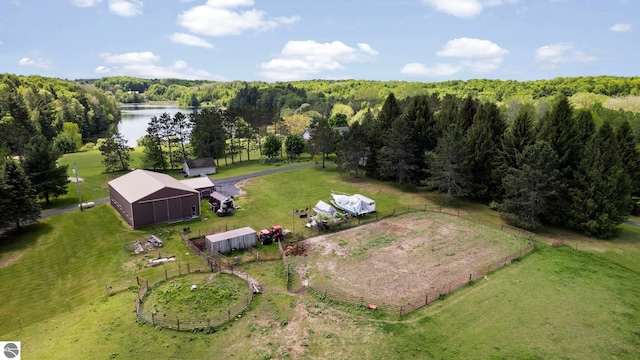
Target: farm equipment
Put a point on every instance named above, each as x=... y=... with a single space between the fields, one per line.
x=222 y=204
x=268 y=236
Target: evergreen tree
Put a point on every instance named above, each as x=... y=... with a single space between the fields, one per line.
x=377 y=129
x=468 y=108
x=182 y=126
x=483 y=145
x=602 y=192
x=352 y=150
x=530 y=184
x=323 y=139
x=208 y=136
x=154 y=156
x=560 y=131
x=518 y=136
x=18 y=202
x=630 y=156
x=423 y=135
x=397 y=157
x=116 y=154
x=40 y=165
x=447 y=164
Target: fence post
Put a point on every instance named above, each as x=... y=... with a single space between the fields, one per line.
x=228 y=315
x=400 y=310
x=188 y=268
x=505 y=260
x=469 y=277
x=20 y=325
x=426 y=299
x=165 y=274
x=179 y=269
x=153 y=319
x=138 y=280
x=178 y=321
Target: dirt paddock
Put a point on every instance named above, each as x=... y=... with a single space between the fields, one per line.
x=403 y=257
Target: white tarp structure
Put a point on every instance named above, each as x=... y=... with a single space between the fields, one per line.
x=324 y=208
x=355 y=204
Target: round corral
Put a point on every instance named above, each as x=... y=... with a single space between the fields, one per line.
x=195 y=301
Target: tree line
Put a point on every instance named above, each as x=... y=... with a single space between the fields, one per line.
x=40 y=120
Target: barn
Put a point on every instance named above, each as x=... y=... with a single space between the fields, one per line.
x=144 y=198
x=228 y=241
x=202 y=184
x=200 y=166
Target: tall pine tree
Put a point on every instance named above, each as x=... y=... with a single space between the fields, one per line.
x=18 y=203
x=40 y=165
x=602 y=192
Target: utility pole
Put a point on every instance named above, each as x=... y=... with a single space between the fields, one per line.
x=75 y=171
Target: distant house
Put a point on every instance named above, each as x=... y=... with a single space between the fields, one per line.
x=202 y=184
x=308 y=133
x=144 y=198
x=196 y=167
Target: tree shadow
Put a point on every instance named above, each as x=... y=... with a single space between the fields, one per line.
x=27 y=236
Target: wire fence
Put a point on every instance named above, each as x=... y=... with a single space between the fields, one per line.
x=408 y=305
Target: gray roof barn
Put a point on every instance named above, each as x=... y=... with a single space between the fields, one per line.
x=144 y=197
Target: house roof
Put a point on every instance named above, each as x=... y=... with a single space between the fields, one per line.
x=230 y=234
x=200 y=182
x=138 y=184
x=200 y=163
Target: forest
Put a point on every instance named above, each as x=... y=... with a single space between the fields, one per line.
x=561 y=152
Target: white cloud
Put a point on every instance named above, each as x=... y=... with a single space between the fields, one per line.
x=85 y=3
x=620 y=28
x=144 y=57
x=126 y=8
x=416 y=69
x=146 y=65
x=38 y=63
x=304 y=59
x=471 y=48
x=190 y=40
x=476 y=55
x=464 y=8
x=217 y=18
x=561 y=53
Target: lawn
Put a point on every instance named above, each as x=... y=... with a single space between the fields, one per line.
x=555 y=303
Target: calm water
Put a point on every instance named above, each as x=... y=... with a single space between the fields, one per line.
x=135 y=119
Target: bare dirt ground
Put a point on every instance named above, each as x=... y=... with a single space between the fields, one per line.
x=403 y=257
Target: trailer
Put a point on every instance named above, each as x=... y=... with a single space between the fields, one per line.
x=233 y=240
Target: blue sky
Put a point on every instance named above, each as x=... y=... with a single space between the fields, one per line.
x=284 y=40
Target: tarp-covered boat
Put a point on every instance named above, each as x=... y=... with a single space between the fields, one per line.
x=355 y=205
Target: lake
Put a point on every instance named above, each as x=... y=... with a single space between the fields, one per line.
x=136 y=117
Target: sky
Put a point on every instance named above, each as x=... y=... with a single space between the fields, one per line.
x=288 y=40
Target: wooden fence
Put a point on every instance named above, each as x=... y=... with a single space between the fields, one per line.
x=185 y=324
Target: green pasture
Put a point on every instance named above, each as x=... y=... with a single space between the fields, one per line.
x=554 y=303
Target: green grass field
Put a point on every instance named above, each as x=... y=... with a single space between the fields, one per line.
x=554 y=303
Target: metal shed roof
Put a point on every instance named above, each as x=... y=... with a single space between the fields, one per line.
x=138 y=184
x=230 y=234
x=200 y=182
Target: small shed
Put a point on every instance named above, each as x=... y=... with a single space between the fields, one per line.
x=202 y=184
x=195 y=167
x=228 y=241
